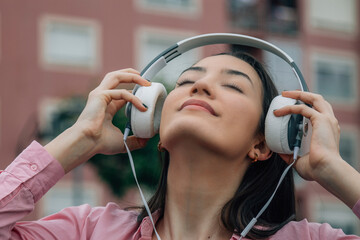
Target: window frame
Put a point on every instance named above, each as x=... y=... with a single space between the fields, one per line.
x=329 y=30
x=321 y=207
x=351 y=132
x=193 y=11
x=93 y=67
x=327 y=55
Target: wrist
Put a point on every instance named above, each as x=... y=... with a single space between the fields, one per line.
x=327 y=169
x=72 y=148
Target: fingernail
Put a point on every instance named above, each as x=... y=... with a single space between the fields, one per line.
x=144 y=105
x=148 y=83
x=275 y=110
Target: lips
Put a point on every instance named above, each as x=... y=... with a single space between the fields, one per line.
x=200 y=103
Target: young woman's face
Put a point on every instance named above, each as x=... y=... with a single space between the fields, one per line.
x=217 y=103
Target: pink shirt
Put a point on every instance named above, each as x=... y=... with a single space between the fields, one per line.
x=34 y=172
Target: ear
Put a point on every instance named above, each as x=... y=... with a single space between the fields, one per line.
x=260 y=150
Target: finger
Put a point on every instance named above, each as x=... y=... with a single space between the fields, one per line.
x=136 y=143
x=118 y=105
x=330 y=109
x=130 y=70
x=120 y=94
x=113 y=79
x=316 y=100
x=297 y=109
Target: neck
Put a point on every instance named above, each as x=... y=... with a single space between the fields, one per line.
x=199 y=184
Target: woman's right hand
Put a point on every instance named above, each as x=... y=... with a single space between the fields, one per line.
x=103 y=103
x=94 y=132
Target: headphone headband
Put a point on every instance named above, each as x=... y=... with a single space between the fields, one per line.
x=231 y=38
x=160 y=61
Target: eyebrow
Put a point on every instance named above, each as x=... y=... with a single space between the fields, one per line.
x=237 y=73
x=197 y=69
x=226 y=71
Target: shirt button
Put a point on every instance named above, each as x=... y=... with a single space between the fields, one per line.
x=33 y=167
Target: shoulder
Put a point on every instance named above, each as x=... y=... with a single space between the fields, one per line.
x=308 y=230
x=96 y=217
x=84 y=222
x=109 y=220
x=111 y=212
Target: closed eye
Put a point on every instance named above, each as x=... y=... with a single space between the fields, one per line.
x=234 y=87
x=184 y=82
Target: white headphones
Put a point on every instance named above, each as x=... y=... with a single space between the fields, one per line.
x=282 y=134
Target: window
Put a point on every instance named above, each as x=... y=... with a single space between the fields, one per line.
x=283 y=17
x=348 y=146
x=333 y=15
x=335 y=78
x=337 y=215
x=274 y=16
x=177 y=7
x=281 y=72
x=245 y=14
x=153 y=42
x=170 y=3
x=70 y=43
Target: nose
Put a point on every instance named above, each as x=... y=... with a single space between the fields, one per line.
x=202 y=87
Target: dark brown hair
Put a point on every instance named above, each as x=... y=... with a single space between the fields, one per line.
x=258 y=182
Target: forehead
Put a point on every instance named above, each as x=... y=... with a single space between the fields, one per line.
x=227 y=61
x=220 y=62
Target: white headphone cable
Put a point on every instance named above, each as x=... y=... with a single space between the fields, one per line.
x=126 y=133
x=253 y=221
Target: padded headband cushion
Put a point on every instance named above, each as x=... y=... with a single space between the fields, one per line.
x=276 y=128
x=146 y=124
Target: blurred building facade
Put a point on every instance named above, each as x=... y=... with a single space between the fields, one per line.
x=54 y=50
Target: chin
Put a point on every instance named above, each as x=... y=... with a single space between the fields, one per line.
x=190 y=130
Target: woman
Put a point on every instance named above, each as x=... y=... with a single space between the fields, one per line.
x=217 y=162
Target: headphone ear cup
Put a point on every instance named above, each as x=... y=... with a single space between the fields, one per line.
x=277 y=128
x=146 y=124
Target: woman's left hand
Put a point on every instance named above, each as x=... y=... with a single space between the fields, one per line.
x=325 y=137
x=323 y=163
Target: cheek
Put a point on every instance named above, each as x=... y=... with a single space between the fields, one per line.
x=169 y=108
x=242 y=119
